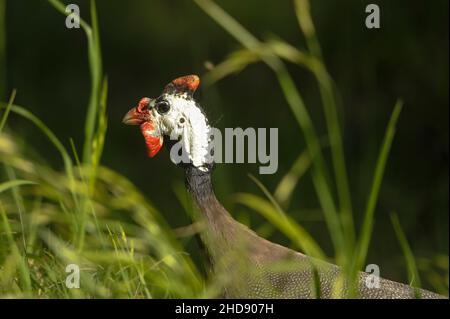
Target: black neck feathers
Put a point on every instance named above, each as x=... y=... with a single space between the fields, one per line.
x=220 y=227
x=199 y=185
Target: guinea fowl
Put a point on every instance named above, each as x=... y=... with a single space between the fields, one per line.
x=254 y=266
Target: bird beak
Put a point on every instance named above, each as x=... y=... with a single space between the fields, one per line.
x=133 y=117
x=139 y=114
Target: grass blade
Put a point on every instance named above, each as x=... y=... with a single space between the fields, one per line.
x=7 y=110
x=413 y=273
x=14 y=183
x=95 y=67
x=286 y=186
x=18 y=199
x=332 y=120
x=296 y=233
x=21 y=260
x=236 y=62
x=50 y=135
x=367 y=226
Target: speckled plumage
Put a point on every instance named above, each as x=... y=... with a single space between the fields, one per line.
x=254 y=265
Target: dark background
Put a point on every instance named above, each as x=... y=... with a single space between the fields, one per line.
x=145 y=44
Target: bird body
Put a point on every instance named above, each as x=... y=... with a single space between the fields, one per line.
x=248 y=265
x=255 y=265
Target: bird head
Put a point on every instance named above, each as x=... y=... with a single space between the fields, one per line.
x=177 y=116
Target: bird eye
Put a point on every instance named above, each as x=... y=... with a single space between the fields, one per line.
x=162 y=107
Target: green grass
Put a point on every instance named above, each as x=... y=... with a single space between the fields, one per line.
x=92 y=216
x=85 y=214
x=413 y=273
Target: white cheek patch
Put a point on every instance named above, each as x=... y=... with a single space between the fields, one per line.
x=195 y=131
x=199 y=138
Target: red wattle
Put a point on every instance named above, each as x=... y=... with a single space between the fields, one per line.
x=153 y=140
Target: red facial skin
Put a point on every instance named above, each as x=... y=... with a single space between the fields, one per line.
x=140 y=115
x=153 y=142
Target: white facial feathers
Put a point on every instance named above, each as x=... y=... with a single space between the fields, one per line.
x=186 y=120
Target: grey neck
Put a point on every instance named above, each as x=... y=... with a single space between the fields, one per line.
x=220 y=227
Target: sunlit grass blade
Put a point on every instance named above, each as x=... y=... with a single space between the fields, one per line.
x=7 y=110
x=102 y=125
x=286 y=186
x=20 y=259
x=332 y=120
x=228 y=23
x=313 y=249
x=323 y=191
x=290 y=53
x=19 y=201
x=414 y=279
x=367 y=225
x=52 y=138
x=48 y=133
x=14 y=183
x=236 y=62
x=95 y=66
x=68 y=255
x=302 y=11
x=96 y=122
x=296 y=233
x=58 y=5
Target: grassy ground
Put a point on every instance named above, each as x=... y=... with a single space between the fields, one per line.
x=89 y=215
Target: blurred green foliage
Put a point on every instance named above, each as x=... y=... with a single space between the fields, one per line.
x=145 y=44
